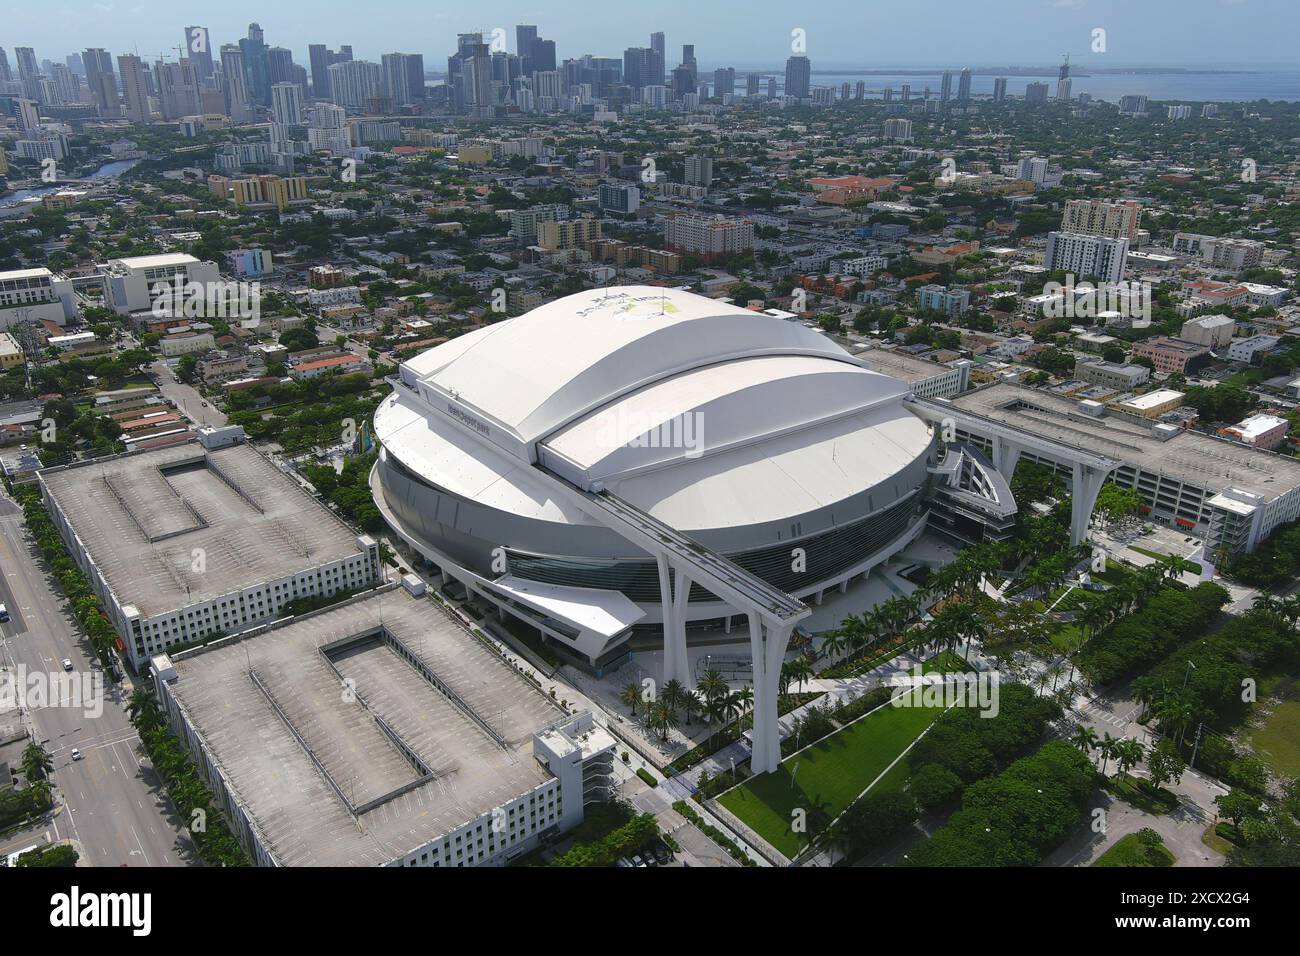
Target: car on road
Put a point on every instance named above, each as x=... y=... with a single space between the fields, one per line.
x=76 y=754
x=67 y=663
x=4 y=614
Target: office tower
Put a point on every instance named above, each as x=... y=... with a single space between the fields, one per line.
x=543 y=59
x=751 y=84
x=286 y=104
x=415 y=76
x=844 y=90
x=860 y=91
x=699 y=170
x=198 y=43
x=642 y=67
x=525 y=37
x=135 y=89
x=235 y=79
x=905 y=92
x=618 y=197
x=73 y=60
x=945 y=87
x=963 y=86
x=67 y=86
x=999 y=89
x=1114 y=219
x=279 y=65
x=771 y=87
x=688 y=61
x=5 y=74
x=682 y=82
x=1063 y=88
x=1092 y=256
x=798 y=76
x=322 y=58
x=356 y=83
x=100 y=79
x=257 y=73
x=397 y=78
x=28 y=72
x=1036 y=93
x=28 y=115
x=657 y=44
x=724 y=81
x=178 y=89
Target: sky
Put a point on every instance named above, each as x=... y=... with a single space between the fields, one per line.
x=840 y=34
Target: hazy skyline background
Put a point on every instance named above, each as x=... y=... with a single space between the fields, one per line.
x=843 y=34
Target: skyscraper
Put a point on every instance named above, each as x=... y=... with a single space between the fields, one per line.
x=199 y=44
x=525 y=37
x=724 y=81
x=178 y=89
x=643 y=67
x=356 y=83
x=100 y=79
x=286 y=104
x=28 y=72
x=256 y=68
x=135 y=89
x=235 y=77
x=945 y=87
x=798 y=76
x=5 y=75
x=657 y=44
x=963 y=86
x=688 y=61
x=322 y=58
x=999 y=89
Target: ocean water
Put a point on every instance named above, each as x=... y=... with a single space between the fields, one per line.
x=1225 y=87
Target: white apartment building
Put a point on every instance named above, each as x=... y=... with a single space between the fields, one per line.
x=1212 y=331
x=708 y=236
x=1086 y=256
x=1245 y=350
x=133 y=284
x=1114 y=219
x=861 y=266
x=35 y=295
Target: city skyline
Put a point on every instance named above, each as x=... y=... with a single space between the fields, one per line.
x=1205 y=33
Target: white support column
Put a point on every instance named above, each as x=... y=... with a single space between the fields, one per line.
x=681 y=664
x=1087 y=483
x=1005 y=456
x=666 y=603
x=767 y=648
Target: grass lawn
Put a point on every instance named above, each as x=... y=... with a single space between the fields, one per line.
x=829 y=777
x=1114 y=573
x=1278 y=741
x=1186 y=565
x=1141 y=793
x=1131 y=851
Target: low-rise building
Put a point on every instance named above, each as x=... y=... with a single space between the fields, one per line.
x=1258 y=431
x=1172 y=355
x=1111 y=374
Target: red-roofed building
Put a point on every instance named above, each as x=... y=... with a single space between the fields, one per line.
x=341 y=363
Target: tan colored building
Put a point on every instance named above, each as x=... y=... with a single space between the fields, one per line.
x=1152 y=404
x=568 y=233
x=11 y=356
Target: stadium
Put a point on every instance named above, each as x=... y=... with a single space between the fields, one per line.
x=758 y=440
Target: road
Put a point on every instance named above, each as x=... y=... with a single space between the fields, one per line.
x=113 y=802
x=193 y=405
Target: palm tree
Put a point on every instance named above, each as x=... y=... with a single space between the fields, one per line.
x=673 y=693
x=834 y=643
x=1085 y=739
x=735 y=708
x=665 y=718
x=144 y=710
x=1128 y=754
x=691 y=707
x=712 y=684
x=1171 y=565
x=716 y=709
x=800 y=671
x=1056 y=670
x=1107 y=750
x=36 y=763
x=1175 y=710
x=746 y=697
x=786 y=679
x=630 y=696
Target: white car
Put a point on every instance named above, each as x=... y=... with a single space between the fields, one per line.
x=76 y=754
x=67 y=663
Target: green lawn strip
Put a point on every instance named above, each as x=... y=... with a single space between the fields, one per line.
x=1144 y=795
x=1278 y=741
x=830 y=775
x=1186 y=565
x=1131 y=851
